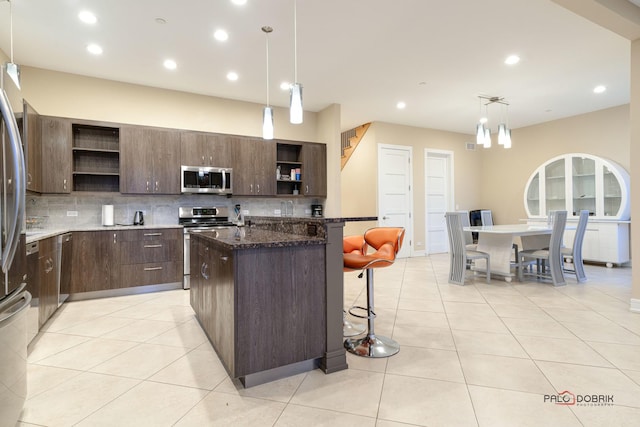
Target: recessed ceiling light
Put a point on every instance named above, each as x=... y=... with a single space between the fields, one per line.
x=232 y=75
x=401 y=105
x=94 y=49
x=599 y=89
x=87 y=17
x=285 y=85
x=512 y=60
x=239 y=2
x=170 y=64
x=221 y=35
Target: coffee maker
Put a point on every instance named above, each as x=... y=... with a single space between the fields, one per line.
x=316 y=211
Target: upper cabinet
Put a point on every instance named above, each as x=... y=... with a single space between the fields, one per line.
x=301 y=168
x=56 y=154
x=575 y=182
x=253 y=166
x=96 y=158
x=150 y=160
x=314 y=167
x=205 y=149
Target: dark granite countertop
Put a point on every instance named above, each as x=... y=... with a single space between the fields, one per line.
x=313 y=218
x=252 y=238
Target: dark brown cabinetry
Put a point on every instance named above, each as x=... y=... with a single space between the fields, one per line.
x=125 y=258
x=205 y=149
x=151 y=256
x=288 y=161
x=150 y=160
x=96 y=261
x=56 y=154
x=254 y=170
x=96 y=158
x=261 y=308
x=48 y=279
x=30 y=129
x=213 y=293
x=314 y=169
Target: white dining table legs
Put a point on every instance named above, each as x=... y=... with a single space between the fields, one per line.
x=499 y=247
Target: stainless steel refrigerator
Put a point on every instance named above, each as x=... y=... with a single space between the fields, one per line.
x=14 y=299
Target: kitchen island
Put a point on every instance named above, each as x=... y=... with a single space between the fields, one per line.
x=260 y=296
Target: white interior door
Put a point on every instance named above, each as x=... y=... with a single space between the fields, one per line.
x=438 y=198
x=394 y=191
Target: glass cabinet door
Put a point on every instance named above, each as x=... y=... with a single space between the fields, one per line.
x=584 y=185
x=555 y=198
x=533 y=195
x=612 y=193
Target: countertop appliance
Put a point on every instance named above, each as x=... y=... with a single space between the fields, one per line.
x=198 y=219
x=138 y=218
x=14 y=299
x=316 y=211
x=210 y=180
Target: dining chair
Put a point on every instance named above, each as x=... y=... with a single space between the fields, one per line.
x=459 y=255
x=468 y=237
x=486 y=217
x=550 y=257
x=574 y=253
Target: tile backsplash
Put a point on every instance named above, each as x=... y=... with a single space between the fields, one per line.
x=86 y=209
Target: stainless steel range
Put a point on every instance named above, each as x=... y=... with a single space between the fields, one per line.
x=198 y=219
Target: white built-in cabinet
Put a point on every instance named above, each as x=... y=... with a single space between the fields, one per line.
x=578 y=181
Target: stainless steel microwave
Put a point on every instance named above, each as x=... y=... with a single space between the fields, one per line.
x=196 y=179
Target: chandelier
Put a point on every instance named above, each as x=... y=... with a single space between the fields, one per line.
x=483 y=131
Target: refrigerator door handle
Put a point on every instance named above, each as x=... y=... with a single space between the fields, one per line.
x=12 y=297
x=15 y=156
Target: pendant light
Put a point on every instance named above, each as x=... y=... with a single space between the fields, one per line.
x=295 y=93
x=267 y=113
x=480 y=126
x=483 y=132
x=13 y=69
x=487 y=131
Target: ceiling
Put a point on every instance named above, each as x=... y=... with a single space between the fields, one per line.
x=366 y=55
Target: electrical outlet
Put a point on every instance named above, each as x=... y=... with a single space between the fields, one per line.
x=72 y=213
x=307 y=211
x=277 y=212
x=245 y=211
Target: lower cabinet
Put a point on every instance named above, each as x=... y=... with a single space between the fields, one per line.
x=262 y=308
x=126 y=258
x=48 y=279
x=96 y=261
x=151 y=256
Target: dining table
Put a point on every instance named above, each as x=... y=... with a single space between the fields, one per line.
x=497 y=241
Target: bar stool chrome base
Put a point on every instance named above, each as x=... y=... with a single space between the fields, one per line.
x=351 y=329
x=373 y=346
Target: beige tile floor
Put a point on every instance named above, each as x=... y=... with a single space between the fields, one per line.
x=482 y=354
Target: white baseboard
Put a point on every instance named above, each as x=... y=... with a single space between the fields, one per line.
x=418 y=253
x=635 y=305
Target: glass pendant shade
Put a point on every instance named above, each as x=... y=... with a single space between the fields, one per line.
x=13 y=70
x=487 y=138
x=267 y=123
x=502 y=133
x=507 y=139
x=295 y=112
x=480 y=134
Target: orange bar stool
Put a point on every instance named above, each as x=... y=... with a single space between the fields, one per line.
x=386 y=241
x=352 y=245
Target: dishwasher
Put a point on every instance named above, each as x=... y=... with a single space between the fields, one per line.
x=65 y=246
